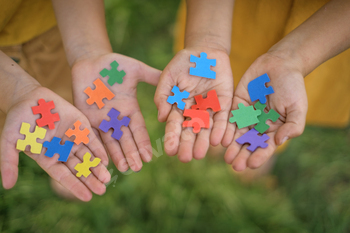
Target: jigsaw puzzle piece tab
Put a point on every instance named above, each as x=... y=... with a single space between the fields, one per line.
x=81 y=136
x=203 y=65
x=98 y=94
x=30 y=138
x=211 y=101
x=272 y=115
x=257 y=89
x=55 y=147
x=253 y=139
x=47 y=118
x=83 y=168
x=115 y=76
x=178 y=97
x=114 y=124
x=199 y=119
x=245 y=116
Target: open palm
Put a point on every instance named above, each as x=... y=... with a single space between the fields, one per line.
x=134 y=145
x=64 y=173
x=183 y=141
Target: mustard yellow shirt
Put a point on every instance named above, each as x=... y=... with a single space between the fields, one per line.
x=22 y=20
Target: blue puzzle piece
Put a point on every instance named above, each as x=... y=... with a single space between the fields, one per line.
x=257 y=89
x=202 y=68
x=114 y=124
x=54 y=147
x=177 y=97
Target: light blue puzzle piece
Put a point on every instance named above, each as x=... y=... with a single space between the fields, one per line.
x=257 y=89
x=202 y=68
x=54 y=147
x=177 y=97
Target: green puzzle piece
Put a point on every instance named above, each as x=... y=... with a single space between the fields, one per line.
x=245 y=116
x=271 y=115
x=115 y=76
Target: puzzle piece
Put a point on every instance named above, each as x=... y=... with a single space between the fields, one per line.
x=30 y=138
x=253 y=139
x=84 y=167
x=115 y=76
x=257 y=89
x=177 y=97
x=47 y=118
x=98 y=94
x=199 y=119
x=271 y=115
x=211 y=101
x=114 y=123
x=202 y=68
x=245 y=116
x=54 y=147
x=81 y=136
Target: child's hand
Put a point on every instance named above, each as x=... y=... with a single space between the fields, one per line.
x=64 y=172
x=289 y=100
x=135 y=142
x=183 y=141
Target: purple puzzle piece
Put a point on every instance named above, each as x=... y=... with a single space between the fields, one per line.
x=253 y=139
x=114 y=123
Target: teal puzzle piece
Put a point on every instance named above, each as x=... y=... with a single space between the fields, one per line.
x=245 y=116
x=272 y=115
x=115 y=76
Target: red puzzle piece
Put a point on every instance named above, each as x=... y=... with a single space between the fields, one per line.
x=199 y=119
x=211 y=101
x=47 y=118
x=98 y=94
x=81 y=136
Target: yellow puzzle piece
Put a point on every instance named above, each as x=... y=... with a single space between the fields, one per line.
x=30 y=138
x=83 y=168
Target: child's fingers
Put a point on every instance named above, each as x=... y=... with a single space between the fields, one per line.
x=173 y=131
x=261 y=155
x=240 y=161
x=201 y=144
x=220 y=120
x=163 y=91
x=234 y=148
x=130 y=151
x=187 y=140
x=149 y=74
x=115 y=152
x=97 y=148
x=9 y=165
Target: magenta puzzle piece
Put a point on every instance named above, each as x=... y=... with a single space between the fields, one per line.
x=253 y=139
x=114 y=123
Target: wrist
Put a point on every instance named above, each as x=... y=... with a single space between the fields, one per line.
x=209 y=41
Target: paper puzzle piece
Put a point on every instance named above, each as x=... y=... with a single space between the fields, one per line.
x=84 y=167
x=257 y=88
x=114 y=123
x=55 y=147
x=47 y=118
x=178 y=97
x=30 y=138
x=202 y=68
x=253 y=139
x=245 y=116
x=211 y=101
x=98 y=94
x=271 y=115
x=115 y=76
x=199 y=119
x=81 y=136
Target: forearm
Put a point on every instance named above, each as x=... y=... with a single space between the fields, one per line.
x=323 y=36
x=83 y=29
x=14 y=82
x=209 y=23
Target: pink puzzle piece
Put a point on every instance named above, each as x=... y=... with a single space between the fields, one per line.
x=253 y=139
x=211 y=101
x=199 y=119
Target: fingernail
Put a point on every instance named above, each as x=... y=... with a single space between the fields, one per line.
x=138 y=171
x=126 y=171
x=284 y=140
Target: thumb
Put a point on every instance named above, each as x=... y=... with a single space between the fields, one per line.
x=149 y=74
x=9 y=165
x=163 y=91
x=293 y=127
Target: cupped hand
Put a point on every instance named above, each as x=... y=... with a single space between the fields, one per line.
x=134 y=146
x=183 y=141
x=289 y=100
x=62 y=172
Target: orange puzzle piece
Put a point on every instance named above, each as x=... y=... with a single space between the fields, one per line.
x=211 y=101
x=97 y=95
x=81 y=136
x=199 y=119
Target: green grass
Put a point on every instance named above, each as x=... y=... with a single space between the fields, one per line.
x=312 y=192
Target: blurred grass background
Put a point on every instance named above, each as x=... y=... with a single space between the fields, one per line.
x=308 y=190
